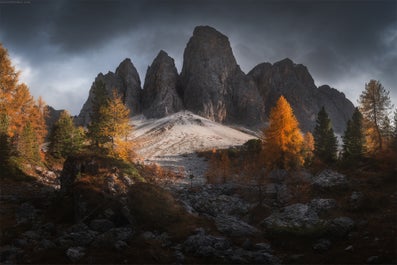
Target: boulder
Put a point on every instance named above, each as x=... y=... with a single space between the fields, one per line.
x=111 y=237
x=75 y=253
x=101 y=225
x=297 y=218
x=322 y=205
x=322 y=245
x=340 y=226
x=205 y=245
x=329 y=179
x=234 y=227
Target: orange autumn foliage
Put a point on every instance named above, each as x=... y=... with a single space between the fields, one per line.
x=19 y=110
x=282 y=139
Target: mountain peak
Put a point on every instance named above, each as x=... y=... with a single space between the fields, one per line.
x=206 y=31
x=213 y=85
x=159 y=96
x=286 y=61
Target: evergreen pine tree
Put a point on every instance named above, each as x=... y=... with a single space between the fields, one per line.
x=99 y=100
x=65 y=138
x=326 y=145
x=354 y=138
x=27 y=144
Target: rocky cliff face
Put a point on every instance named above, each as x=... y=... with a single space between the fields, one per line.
x=296 y=84
x=212 y=83
x=160 y=97
x=339 y=108
x=127 y=83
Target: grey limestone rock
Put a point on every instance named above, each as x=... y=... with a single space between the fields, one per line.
x=160 y=97
x=329 y=179
x=127 y=84
x=295 y=83
x=232 y=226
x=296 y=218
x=322 y=205
x=212 y=83
x=75 y=253
x=101 y=225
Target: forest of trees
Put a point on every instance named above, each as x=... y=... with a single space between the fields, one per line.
x=22 y=119
x=23 y=129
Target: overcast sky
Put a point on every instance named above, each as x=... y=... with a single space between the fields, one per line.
x=61 y=46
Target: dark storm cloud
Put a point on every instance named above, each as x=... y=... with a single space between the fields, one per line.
x=343 y=43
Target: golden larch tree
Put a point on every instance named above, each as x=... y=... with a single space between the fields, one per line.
x=282 y=140
x=308 y=148
x=115 y=126
x=23 y=116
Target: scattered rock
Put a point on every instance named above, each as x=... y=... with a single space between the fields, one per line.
x=349 y=248
x=180 y=258
x=212 y=200
x=26 y=213
x=231 y=226
x=31 y=234
x=101 y=225
x=120 y=245
x=296 y=258
x=356 y=200
x=75 y=253
x=247 y=244
x=322 y=245
x=21 y=242
x=263 y=246
x=329 y=179
x=295 y=219
x=147 y=235
x=46 y=244
x=279 y=193
x=340 y=226
x=373 y=260
x=322 y=205
x=204 y=245
x=9 y=254
x=109 y=238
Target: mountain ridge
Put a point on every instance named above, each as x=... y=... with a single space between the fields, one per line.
x=212 y=85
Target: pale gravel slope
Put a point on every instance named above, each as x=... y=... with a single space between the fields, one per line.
x=173 y=140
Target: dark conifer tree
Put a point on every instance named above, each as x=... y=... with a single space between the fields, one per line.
x=354 y=138
x=325 y=141
x=99 y=100
x=65 y=138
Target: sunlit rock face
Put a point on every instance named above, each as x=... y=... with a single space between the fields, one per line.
x=160 y=97
x=297 y=85
x=213 y=85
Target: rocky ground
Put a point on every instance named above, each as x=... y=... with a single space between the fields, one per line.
x=109 y=217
